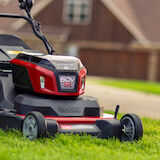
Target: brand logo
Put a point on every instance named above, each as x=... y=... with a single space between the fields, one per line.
x=67 y=82
x=67 y=79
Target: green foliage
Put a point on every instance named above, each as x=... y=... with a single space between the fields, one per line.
x=68 y=147
x=143 y=86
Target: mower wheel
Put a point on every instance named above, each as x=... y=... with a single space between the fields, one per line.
x=132 y=127
x=34 y=126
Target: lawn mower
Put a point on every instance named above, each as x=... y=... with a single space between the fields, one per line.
x=42 y=94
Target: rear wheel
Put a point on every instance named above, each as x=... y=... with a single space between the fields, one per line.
x=132 y=127
x=34 y=126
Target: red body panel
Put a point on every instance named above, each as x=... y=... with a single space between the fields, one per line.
x=74 y=120
x=51 y=86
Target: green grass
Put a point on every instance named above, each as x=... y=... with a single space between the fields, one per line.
x=68 y=147
x=143 y=86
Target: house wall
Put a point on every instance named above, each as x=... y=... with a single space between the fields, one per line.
x=103 y=27
x=119 y=64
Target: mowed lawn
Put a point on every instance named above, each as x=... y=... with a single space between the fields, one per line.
x=142 y=86
x=68 y=147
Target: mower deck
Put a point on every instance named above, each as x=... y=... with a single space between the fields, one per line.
x=75 y=115
x=101 y=127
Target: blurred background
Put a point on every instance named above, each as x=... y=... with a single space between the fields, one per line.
x=113 y=38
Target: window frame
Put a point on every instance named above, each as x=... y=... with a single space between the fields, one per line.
x=74 y=22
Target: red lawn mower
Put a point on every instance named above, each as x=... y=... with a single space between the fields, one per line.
x=41 y=94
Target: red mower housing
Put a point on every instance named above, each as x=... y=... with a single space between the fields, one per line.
x=49 y=74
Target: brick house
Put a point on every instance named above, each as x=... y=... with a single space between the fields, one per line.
x=115 y=38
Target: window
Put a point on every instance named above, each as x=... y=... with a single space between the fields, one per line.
x=77 y=11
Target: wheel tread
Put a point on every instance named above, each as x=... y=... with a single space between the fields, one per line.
x=138 y=125
x=40 y=123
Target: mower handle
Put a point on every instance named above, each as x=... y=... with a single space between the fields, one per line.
x=35 y=28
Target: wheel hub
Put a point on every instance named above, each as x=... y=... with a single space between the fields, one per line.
x=128 y=129
x=30 y=127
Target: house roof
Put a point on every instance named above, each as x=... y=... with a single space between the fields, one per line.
x=13 y=8
x=140 y=17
